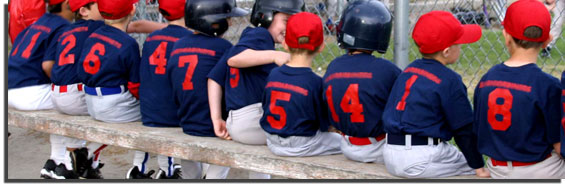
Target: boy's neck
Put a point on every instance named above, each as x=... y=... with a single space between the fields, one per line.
x=178 y=22
x=60 y=14
x=302 y=60
x=122 y=26
x=440 y=60
x=520 y=56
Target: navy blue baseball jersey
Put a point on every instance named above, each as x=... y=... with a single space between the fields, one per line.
x=428 y=99
x=69 y=47
x=158 y=108
x=356 y=89
x=32 y=47
x=191 y=60
x=245 y=86
x=517 y=113
x=109 y=58
x=293 y=103
x=563 y=115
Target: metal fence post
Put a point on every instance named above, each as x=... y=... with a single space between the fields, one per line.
x=401 y=33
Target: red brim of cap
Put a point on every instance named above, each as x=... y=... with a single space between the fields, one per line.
x=471 y=34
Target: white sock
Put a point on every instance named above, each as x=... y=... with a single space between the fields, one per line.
x=67 y=160
x=256 y=175
x=140 y=160
x=166 y=164
x=58 y=148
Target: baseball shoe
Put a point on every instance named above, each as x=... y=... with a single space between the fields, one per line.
x=177 y=174
x=134 y=173
x=48 y=168
x=93 y=173
x=80 y=161
x=61 y=172
x=546 y=52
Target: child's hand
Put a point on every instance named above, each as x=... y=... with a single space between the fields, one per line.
x=281 y=58
x=220 y=129
x=482 y=172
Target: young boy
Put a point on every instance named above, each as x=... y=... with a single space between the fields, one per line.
x=67 y=94
x=357 y=84
x=295 y=117
x=158 y=108
x=108 y=62
x=428 y=106
x=192 y=58
x=28 y=71
x=517 y=105
x=244 y=70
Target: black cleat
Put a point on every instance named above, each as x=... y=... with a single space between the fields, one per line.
x=93 y=173
x=177 y=174
x=134 y=173
x=48 y=169
x=61 y=172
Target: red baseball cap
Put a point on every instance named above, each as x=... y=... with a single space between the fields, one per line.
x=54 y=2
x=526 y=13
x=304 y=24
x=77 y=4
x=116 y=8
x=175 y=8
x=437 y=30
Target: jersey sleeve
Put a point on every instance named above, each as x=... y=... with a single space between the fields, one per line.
x=551 y=111
x=132 y=60
x=218 y=73
x=321 y=108
x=456 y=106
x=51 y=46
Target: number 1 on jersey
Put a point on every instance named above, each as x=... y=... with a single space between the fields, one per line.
x=192 y=61
x=402 y=104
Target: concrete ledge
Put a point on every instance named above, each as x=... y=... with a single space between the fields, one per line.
x=173 y=142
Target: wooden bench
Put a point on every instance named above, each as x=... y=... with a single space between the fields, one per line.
x=173 y=142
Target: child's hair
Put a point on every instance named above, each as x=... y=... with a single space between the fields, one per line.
x=350 y=51
x=87 y=6
x=109 y=21
x=57 y=8
x=165 y=14
x=303 y=40
x=530 y=32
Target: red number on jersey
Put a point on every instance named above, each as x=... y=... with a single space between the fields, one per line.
x=18 y=46
x=331 y=103
x=278 y=110
x=65 y=59
x=94 y=59
x=563 y=120
x=500 y=109
x=27 y=51
x=234 y=81
x=192 y=60
x=402 y=104
x=350 y=104
x=158 y=58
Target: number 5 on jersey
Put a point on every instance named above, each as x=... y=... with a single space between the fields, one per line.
x=277 y=110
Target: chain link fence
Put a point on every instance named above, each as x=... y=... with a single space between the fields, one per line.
x=473 y=63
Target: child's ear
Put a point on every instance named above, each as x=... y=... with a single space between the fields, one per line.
x=507 y=38
x=285 y=46
x=321 y=48
x=132 y=13
x=546 y=43
x=446 y=52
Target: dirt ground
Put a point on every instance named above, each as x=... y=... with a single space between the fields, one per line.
x=30 y=149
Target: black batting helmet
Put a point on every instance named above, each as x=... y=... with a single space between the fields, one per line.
x=264 y=10
x=365 y=24
x=200 y=15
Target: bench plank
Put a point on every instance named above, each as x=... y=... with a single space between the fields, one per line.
x=173 y=142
